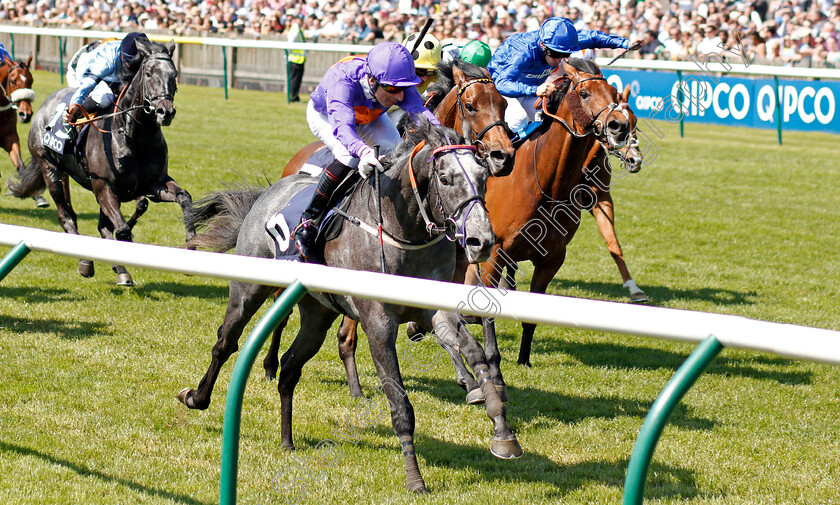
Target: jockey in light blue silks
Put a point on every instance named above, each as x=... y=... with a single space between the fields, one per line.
x=523 y=61
x=347 y=113
x=99 y=74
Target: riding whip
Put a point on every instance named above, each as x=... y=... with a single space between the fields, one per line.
x=629 y=48
x=379 y=211
x=423 y=32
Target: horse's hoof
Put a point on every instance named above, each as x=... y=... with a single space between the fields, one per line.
x=639 y=297
x=287 y=447
x=526 y=364
x=41 y=202
x=414 y=332
x=476 y=396
x=418 y=487
x=185 y=398
x=86 y=268
x=125 y=280
x=506 y=449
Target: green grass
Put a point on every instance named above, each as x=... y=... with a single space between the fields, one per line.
x=723 y=221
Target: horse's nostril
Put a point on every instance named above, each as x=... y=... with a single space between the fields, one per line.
x=616 y=126
x=473 y=242
x=498 y=155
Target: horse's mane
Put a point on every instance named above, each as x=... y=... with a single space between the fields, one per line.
x=422 y=130
x=446 y=80
x=559 y=94
x=126 y=72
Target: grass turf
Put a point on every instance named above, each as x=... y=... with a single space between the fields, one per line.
x=722 y=221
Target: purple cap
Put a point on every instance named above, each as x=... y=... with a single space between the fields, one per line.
x=391 y=64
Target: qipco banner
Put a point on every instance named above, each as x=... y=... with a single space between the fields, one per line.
x=731 y=101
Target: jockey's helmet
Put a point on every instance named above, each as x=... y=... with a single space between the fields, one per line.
x=128 y=46
x=476 y=52
x=559 y=35
x=427 y=54
x=391 y=64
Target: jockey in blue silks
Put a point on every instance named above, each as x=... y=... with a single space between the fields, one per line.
x=4 y=54
x=101 y=73
x=347 y=113
x=523 y=61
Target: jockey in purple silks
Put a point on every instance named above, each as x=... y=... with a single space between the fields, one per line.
x=347 y=113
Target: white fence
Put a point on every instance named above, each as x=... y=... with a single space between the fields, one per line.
x=732 y=331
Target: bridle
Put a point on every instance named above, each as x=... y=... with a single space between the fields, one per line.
x=449 y=229
x=4 y=86
x=475 y=138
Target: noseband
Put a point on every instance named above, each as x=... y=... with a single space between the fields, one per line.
x=475 y=138
x=5 y=86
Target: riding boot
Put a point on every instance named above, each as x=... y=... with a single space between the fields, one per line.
x=307 y=231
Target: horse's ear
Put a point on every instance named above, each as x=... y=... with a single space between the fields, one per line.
x=571 y=71
x=486 y=72
x=29 y=60
x=458 y=74
x=625 y=95
x=170 y=47
x=7 y=60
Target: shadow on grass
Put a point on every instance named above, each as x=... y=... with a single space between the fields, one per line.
x=38 y=294
x=658 y=294
x=604 y=354
x=69 y=330
x=664 y=481
x=165 y=290
x=86 y=472
x=49 y=213
x=528 y=404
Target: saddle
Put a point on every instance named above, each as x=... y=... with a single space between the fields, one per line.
x=281 y=225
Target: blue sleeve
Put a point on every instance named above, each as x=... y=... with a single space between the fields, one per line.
x=593 y=39
x=506 y=76
x=3 y=53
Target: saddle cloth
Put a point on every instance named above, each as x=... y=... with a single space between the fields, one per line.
x=57 y=133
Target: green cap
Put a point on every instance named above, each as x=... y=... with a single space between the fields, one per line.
x=476 y=52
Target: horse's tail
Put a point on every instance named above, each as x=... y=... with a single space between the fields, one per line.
x=219 y=216
x=31 y=181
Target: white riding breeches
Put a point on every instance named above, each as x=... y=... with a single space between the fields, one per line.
x=380 y=131
x=520 y=111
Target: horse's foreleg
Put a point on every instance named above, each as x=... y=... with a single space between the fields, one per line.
x=106 y=230
x=382 y=334
x=455 y=334
x=544 y=271
x=170 y=191
x=141 y=207
x=348 y=338
x=271 y=363
x=244 y=301
x=604 y=214
x=315 y=321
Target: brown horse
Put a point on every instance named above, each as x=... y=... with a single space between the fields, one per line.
x=466 y=100
x=16 y=105
x=535 y=211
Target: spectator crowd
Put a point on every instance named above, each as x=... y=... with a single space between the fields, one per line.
x=781 y=32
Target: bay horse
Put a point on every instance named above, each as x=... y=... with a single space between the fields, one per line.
x=125 y=156
x=463 y=98
x=535 y=211
x=16 y=105
x=446 y=172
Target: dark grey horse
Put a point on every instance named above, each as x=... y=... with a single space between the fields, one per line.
x=451 y=184
x=125 y=156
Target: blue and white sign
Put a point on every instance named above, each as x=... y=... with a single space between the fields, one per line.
x=732 y=101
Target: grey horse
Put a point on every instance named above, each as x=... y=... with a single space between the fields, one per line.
x=450 y=187
x=125 y=156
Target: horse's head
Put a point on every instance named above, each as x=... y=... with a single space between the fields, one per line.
x=158 y=75
x=481 y=110
x=454 y=183
x=17 y=86
x=630 y=154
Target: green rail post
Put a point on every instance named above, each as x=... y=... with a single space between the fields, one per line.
x=778 y=109
x=288 y=88
x=12 y=258
x=660 y=411
x=680 y=97
x=12 y=36
x=233 y=404
x=224 y=60
x=62 y=45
